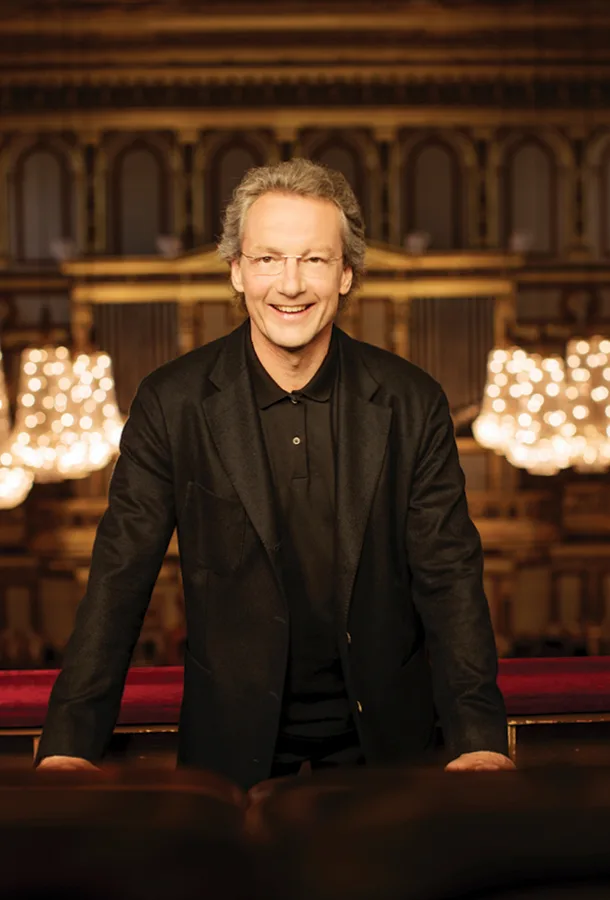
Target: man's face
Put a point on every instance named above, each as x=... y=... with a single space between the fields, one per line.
x=292 y=307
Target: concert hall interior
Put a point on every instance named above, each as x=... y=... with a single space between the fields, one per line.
x=476 y=137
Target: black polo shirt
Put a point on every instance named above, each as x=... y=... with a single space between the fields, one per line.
x=299 y=430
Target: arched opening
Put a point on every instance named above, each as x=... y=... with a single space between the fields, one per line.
x=434 y=195
x=42 y=204
x=139 y=201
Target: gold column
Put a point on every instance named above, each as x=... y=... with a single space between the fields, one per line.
x=492 y=193
x=200 y=325
x=400 y=327
x=80 y=195
x=187 y=326
x=183 y=183
x=377 y=226
x=578 y=246
x=81 y=325
x=100 y=200
x=505 y=316
x=478 y=213
x=198 y=190
x=5 y=243
x=176 y=167
x=85 y=188
x=394 y=189
x=385 y=185
x=287 y=143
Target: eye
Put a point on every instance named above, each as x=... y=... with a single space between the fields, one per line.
x=264 y=259
x=316 y=260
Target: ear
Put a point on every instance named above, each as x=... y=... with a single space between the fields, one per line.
x=236 y=277
x=347 y=276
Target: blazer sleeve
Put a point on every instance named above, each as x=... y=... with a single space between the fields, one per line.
x=446 y=562
x=129 y=548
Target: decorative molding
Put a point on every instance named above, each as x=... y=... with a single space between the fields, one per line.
x=246 y=114
x=358 y=50
x=187 y=136
x=188 y=292
x=286 y=134
x=527 y=78
x=90 y=138
x=267 y=19
x=328 y=88
x=560 y=275
x=151 y=292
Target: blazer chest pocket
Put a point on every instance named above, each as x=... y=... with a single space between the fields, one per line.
x=212 y=530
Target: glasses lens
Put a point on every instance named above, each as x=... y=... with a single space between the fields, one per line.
x=267 y=265
x=310 y=266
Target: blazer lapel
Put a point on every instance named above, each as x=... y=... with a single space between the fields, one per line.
x=363 y=429
x=235 y=427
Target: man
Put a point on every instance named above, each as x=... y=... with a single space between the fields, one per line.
x=332 y=575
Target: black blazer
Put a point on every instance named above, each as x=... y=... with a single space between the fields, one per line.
x=411 y=610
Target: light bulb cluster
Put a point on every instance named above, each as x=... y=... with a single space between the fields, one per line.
x=545 y=415
x=67 y=423
x=15 y=480
x=588 y=393
x=99 y=420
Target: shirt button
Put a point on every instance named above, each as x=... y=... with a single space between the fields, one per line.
x=293 y=400
x=349 y=637
x=359 y=706
x=296 y=441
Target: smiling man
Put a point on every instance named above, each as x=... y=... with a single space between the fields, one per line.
x=332 y=575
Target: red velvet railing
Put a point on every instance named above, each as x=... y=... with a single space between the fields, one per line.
x=152 y=695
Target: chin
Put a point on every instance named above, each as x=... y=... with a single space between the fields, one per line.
x=292 y=343
x=291 y=338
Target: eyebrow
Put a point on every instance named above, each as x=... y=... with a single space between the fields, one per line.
x=258 y=248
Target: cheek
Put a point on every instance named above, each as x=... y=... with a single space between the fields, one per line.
x=255 y=293
x=332 y=301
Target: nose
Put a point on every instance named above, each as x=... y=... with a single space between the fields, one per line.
x=291 y=282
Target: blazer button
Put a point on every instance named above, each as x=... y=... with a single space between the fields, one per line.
x=359 y=706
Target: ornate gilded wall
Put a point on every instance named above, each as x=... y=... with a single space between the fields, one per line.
x=483 y=126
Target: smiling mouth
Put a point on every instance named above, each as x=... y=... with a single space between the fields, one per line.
x=292 y=310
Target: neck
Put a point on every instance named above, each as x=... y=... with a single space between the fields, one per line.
x=291 y=369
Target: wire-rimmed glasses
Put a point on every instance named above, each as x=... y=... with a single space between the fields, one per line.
x=313 y=265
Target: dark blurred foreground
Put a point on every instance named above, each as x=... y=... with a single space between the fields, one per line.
x=542 y=834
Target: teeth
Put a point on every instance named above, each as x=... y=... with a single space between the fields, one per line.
x=291 y=309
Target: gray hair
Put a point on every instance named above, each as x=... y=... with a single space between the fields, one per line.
x=306 y=179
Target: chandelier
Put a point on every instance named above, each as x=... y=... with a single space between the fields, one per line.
x=496 y=424
x=46 y=424
x=588 y=391
x=15 y=480
x=544 y=415
x=67 y=423
x=99 y=421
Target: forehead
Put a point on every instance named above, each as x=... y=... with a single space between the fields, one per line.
x=289 y=218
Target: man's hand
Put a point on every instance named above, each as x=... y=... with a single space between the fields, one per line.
x=480 y=761
x=66 y=763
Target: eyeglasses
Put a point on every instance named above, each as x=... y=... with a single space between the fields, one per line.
x=273 y=264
